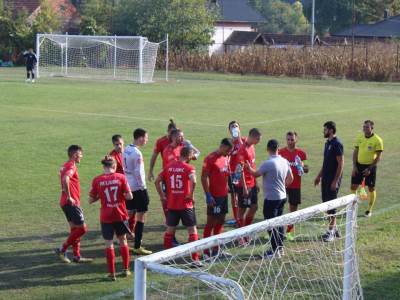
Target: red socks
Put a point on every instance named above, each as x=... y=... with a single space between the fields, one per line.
x=194 y=237
x=207 y=230
x=248 y=220
x=124 y=252
x=132 y=222
x=74 y=239
x=218 y=228
x=110 y=255
x=168 y=238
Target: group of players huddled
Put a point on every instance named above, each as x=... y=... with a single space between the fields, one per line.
x=229 y=170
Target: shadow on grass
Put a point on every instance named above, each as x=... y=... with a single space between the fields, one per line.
x=376 y=283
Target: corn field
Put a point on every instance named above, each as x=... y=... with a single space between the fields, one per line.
x=373 y=61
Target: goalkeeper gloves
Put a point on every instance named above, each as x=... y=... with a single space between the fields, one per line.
x=209 y=198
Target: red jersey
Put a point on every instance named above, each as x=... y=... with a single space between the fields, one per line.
x=171 y=154
x=233 y=154
x=247 y=153
x=217 y=168
x=110 y=188
x=290 y=156
x=69 y=169
x=161 y=144
x=118 y=157
x=177 y=180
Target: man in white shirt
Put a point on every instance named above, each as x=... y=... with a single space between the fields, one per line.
x=134 y=172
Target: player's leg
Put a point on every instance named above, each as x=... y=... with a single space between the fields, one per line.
x=78 y=228
x=121 y=231
x=130 y=207
x=280 y=233
x=141 y=203
x=356 y=179
x=172 y=221
x=234 y=200
x=294 y=199
x=33 y=74
x=27 y=74
x=327 y=195
x=253 y=197
x=243 y=205
x=270 y=210
x=370 y=182
x=188 y=217
x=107 y=231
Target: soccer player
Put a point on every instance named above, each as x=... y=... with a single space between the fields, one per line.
x=247 y=188
x=112 y=189
x=159 y=147
x=173 y=150
x=31 y=61
x=237 y=140
x=367 y=153
x=277 y=175
x=214 y=179
x=180 y=179
x=118 y=144
x=70 y=204
x=134 y=172
x=293 y=191
x=330 y=175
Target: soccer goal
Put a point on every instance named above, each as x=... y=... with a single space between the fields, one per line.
x=306 y=268
x=99 y=57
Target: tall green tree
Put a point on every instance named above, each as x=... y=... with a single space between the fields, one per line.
x=283 y=17
x=188 y=22
x=97 y=16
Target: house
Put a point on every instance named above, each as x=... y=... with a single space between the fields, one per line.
x=388 y=28
x=68 y=14
x=234 y=15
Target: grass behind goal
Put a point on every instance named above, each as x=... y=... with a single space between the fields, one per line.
x=39 y=121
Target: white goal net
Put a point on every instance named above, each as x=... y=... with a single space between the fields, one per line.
x=102 y=57
x=237 y=266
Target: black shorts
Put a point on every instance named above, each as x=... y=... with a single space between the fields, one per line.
x=220 y=207
x=140 y=201
x=188 y=217
x=30 y=68
x=328 y=194
x=73 y=214
x=252 y=199
x=294 y=196
x=231 y=186
x=369 y=180
x=108 y=230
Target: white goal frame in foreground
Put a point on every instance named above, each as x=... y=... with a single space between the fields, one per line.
x=100 y=57
x=158 y=263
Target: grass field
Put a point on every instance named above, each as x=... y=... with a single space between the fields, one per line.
x=38 y=122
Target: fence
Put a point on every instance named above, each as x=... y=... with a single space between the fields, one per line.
x=376 y=61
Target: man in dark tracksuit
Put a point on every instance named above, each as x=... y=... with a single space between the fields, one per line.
x=30 y=64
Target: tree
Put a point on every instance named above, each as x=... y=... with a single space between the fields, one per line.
x=282 y=17
x=97 y=16
x=188 y=22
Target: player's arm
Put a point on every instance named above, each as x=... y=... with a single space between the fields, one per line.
x=192 y=186
x=317 y=179
x=205 y=182
x=289 y=177
x=355 y=155
x=136 y=171
x=92 y=199
x=158 y=184
x=367 y=171
x=93 y=194
x=127 y=191
x=65 y=188
x=339 y=171
x=255 y=173
x=152 y=164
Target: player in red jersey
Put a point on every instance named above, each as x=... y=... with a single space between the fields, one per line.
x=159 y=147
x=237 y=140
x=118 y=144
x=70 y=204
x=173 y=150
x=214 y=179
x=293 y=191
x=246 y=186
x=113 y=189
x=180 y=181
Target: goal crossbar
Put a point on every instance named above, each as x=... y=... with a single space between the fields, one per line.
x=154 y=263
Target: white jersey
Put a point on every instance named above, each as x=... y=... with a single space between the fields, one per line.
x=134 y=168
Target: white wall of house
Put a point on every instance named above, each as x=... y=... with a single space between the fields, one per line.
x=222 y=32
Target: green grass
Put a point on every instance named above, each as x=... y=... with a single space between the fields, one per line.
x=39 y=121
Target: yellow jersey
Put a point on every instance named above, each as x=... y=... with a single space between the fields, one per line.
x=367 y=148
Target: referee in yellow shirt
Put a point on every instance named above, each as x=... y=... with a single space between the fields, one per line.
x=368 y=150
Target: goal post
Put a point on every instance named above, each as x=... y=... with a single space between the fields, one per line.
x=98 y=57
x=308 y=268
